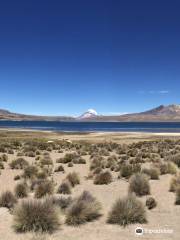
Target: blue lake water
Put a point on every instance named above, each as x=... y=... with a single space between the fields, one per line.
x=94 y=126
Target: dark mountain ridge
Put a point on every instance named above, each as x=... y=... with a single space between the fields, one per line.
x=159 y=114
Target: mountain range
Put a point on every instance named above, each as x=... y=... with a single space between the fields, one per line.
x=158 y=114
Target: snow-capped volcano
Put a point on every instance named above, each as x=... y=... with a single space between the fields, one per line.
x=90 y=113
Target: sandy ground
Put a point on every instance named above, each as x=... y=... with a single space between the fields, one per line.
x=120 y=137
x=165 y=216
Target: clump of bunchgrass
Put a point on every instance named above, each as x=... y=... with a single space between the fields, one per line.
x=64 y=188
x=128 y=210
x=103 y=178
x=175 y=182
x=83 y=209
x=44 y=188
x=60 y=168
x=62 y=202
x=17 y=177
x=7 y=200
x=18 y=163
x=129 y=169
x=151 y=203
x=21 y=190
x=139 y=184
x=153 y=173
x=30 y=172
x=36 y=215
x=73 y=178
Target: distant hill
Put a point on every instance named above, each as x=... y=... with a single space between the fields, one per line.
x=7 y=115
x=158 y=114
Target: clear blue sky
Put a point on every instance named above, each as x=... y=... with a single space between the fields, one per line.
x=65 y=56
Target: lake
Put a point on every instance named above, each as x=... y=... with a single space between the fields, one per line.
x=94 y=126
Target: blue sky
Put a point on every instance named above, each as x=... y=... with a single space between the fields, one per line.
x=64 y=57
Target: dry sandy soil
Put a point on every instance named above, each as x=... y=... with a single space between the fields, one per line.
x=165 y=216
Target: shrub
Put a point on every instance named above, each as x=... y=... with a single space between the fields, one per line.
x=1 y=165
x=44 y=188
x=103 y=178
x=177 y=202
x=4 y=157
x=168 y=167
x=69 y=157
x=153 y=173
x=128 y=169
x=38 y=153
x=30 y=172
x=126 y=211
x=97 y=170
x=10 y=151
x=59 y=169
x=62 y=202
x=175 y=182
x=163 y=168
x=176 y=159
x=20 y=154
x=21 y=190
x=42 y=174
x=30 y=154
x=73 y=179
x=172 y=168
x=7 y=199
x=17 y=177
x=35 y=215
x=70 y=164
x=64 y=188
x=19 y=163
x=151 y=203
x=139 y=184
x=81 y=161
x=46 y=160
x=83 y=209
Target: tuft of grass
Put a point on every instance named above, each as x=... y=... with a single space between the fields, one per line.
x=70 y=164
x=139 y=184
x=175 y=182
x=73 y=178
x=64 y=188
x=153 y=173
x=163 y=168
x=35 y=215
x=44 y=188
x=172 y=168
x=1 y=165
x=42 y=174
x=128 y=210
x=62 y=202
x=151 y=203
x=7 y=200
x=18 y=163
x=17 y=177
x=59 y=169
x=83 y=209
x=129 y=169
x=103 y=178
x=30 y=172
x=21 y=190
x=4 y=157
x=176 y=159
